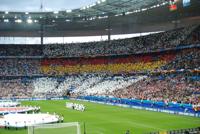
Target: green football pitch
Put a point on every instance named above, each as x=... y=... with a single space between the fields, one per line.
x=61 y=130
x=105 y=119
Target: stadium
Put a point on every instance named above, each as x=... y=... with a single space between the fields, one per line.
x=100 y=67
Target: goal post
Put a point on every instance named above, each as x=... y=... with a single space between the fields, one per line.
x=57 y=128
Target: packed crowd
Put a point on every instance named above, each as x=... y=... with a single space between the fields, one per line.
x=113 y=65
x=173 y=87
x=87 y=75
x=144 y=44
x=75 y=84
x=95 y=84
x=167 y=88
x=169 y=60
x=19 y=67
x=187 y=59
x=21 y=50
x=15 y=88
x=193 y=38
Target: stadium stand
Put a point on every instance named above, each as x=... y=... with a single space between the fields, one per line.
x=163 y=88
x=127 y=65
x=167 y=60
x=145 y=44
x=100 y=67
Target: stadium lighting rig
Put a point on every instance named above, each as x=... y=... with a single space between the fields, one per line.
x=6 y=20
x=29 y=21
x=18 y=21
x=101 y=1
x=36 y=21
x=68 y=11
x=54 y=15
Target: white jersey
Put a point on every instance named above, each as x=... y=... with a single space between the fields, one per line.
x=79 y=107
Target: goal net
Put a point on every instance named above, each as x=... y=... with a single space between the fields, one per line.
x=58 y=128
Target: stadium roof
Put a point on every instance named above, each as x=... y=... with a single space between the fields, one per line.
x=101 y=8
x=48 y=5
x=126 y=16
x=114 y=7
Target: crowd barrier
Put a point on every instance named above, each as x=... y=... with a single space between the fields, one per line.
x=158 y=106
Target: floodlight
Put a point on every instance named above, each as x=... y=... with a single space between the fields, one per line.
x=55 y=12
x=69 y=11
x=18 y=21
x=6 y=20
x=29 y=21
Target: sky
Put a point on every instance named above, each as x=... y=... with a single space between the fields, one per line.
x=50 y=40
x=49 y=5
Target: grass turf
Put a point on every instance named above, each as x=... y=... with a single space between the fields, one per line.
x=63 y=130
x=105 y=119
